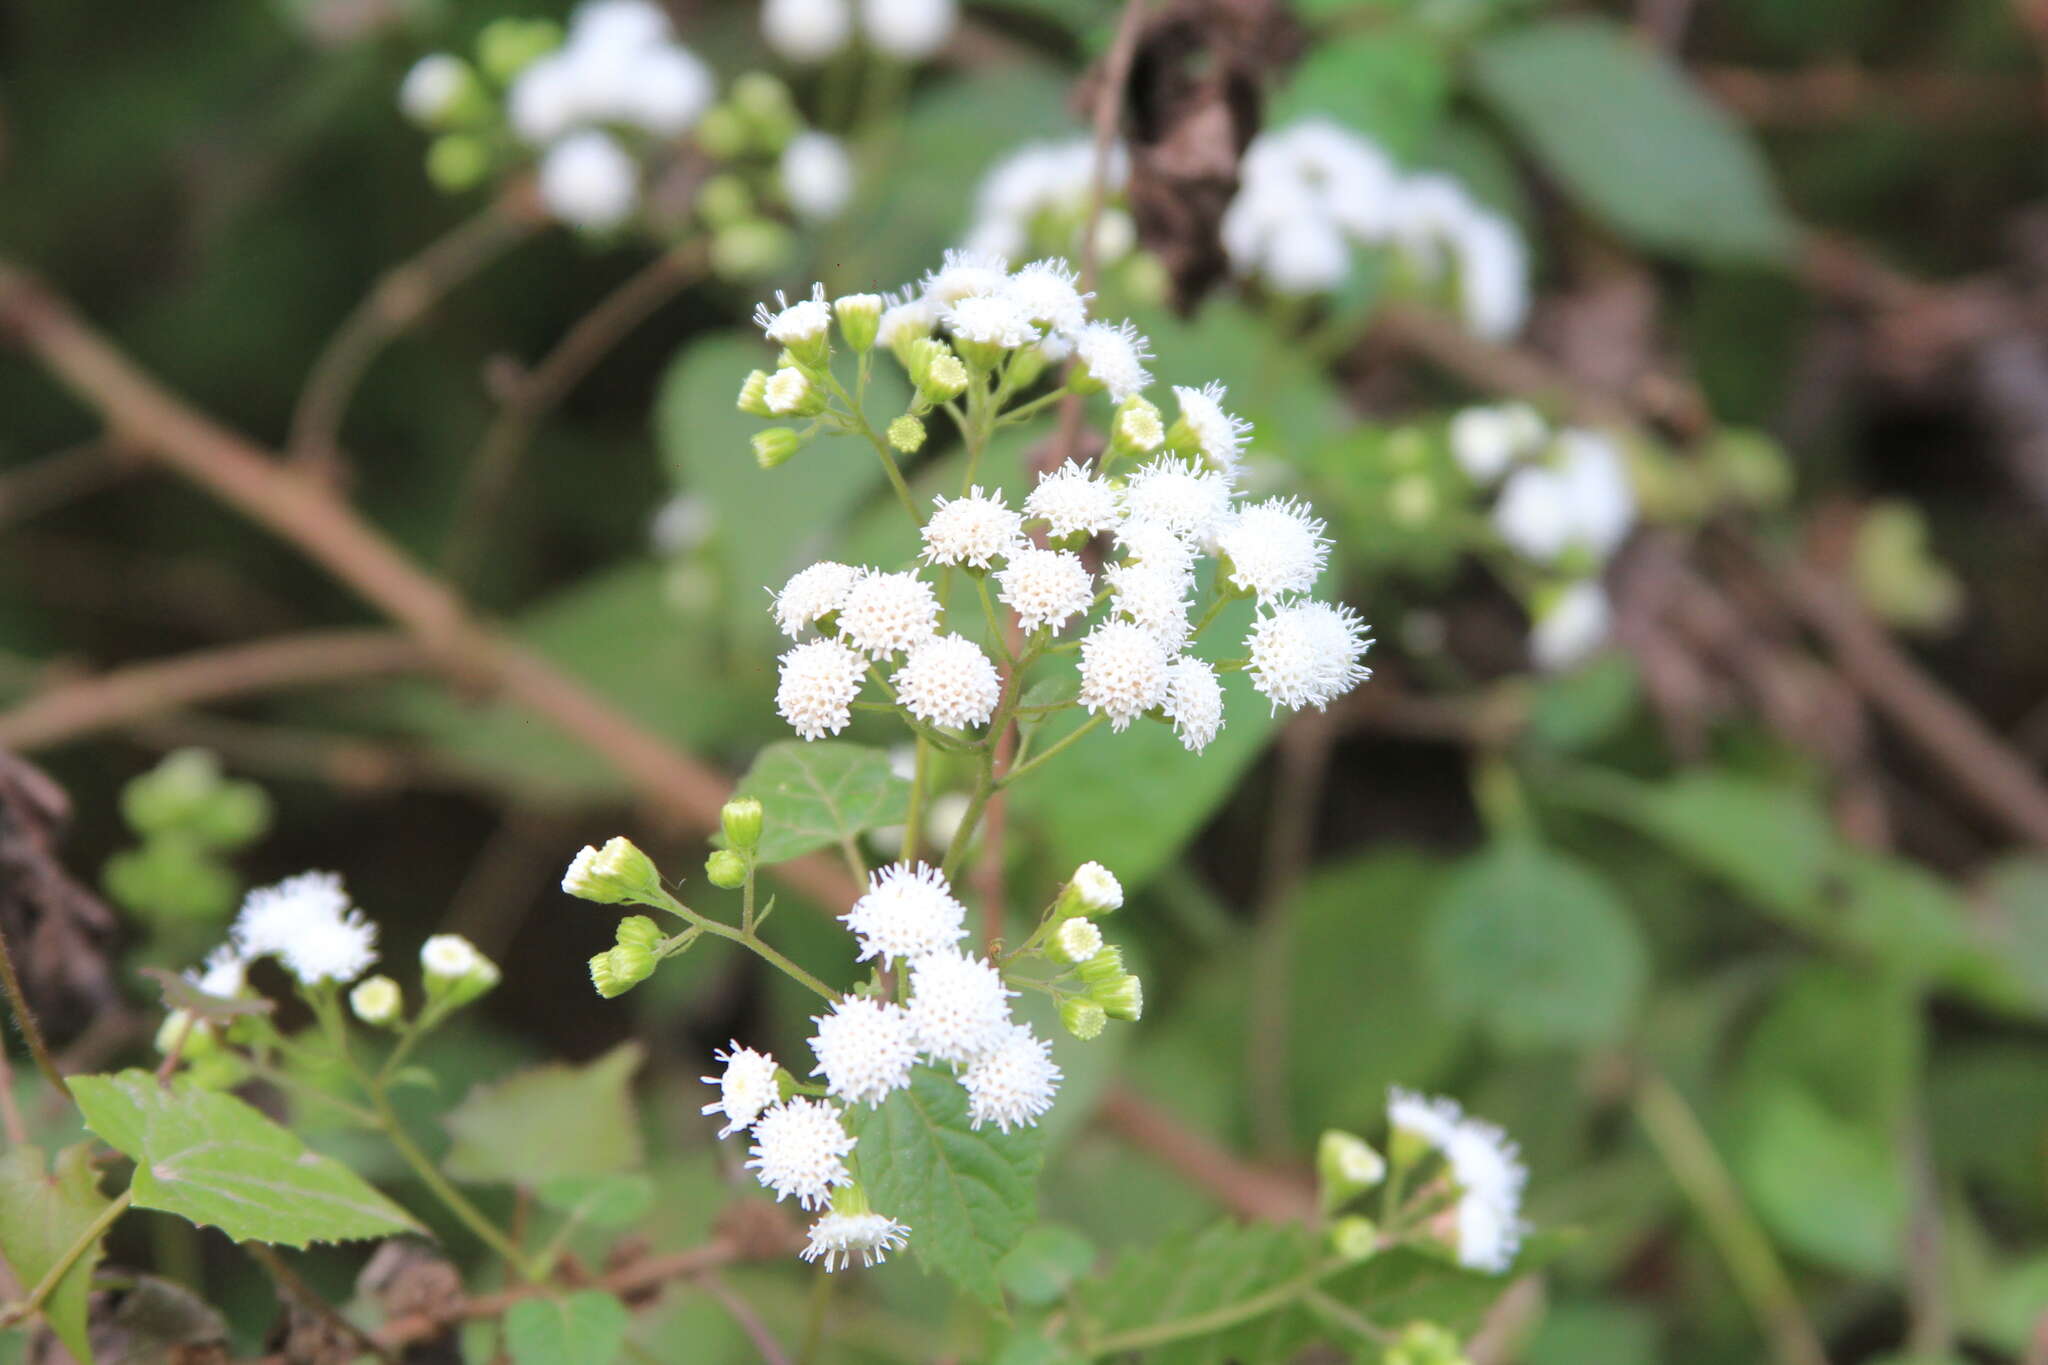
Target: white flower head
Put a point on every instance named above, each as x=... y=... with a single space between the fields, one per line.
x=1218 y=434
x=1048 y=293
x=224 y=975
x=817 y=176
x=1155 y=597
x=1156 y=547
x=888 y=613
x=1072 y=501
x=791 y=324
x=909 y=30
x=1493 y=274
x=806 y=30
x=819 y=680
x=665 y=90
x=1534 y=513
x=992 y=320
x=1123 y=671
x=452 y=955
x=1012 y=1083
x=619 y=23
x=1603 y=500
x=746 y=1087
x=865 y=1049
x=545 y=99
x=1487 y=1167
x=838 y=1238
x=800 y=1148
x=812 y=594
x=947 y=681
x=1486 y=440
x=787 y=389
x=377 y=1001
x=588 y=181
x=904 y=319
x=1433 y=1119
x=1097 y=888
x=1046 y=588
x=1115 y=355
x=1572 y=626
x=307 y=923
x=433 y=84
x=1307 y=654
x=973 y=530
x=1191 y=503
x=963 y=274
x=959 y=1005
x=906 y=913
x=1276 y=548
x=1194 y=702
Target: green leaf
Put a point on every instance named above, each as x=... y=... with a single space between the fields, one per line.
x=1390 y=82
x=1192 y=1275
x=815 y=793
x=1831 y=1187
x=43 y=1212
x=606 y=1201
x=584 y=1328
x=1637 y=145
x=1537 y=948
x=1585 y=707
x=549 y=1122
x=968 y=1195
x=214 y=1161
x=1045 y=1264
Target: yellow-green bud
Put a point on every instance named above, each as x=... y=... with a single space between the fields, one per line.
x=619 y=873
x=935 y=370
x=749 y=250
x=1412 y=500
x=1026 y=366
x=766 y=105
x=754 y=395
x=1425 y=1343
x=1408 y=1148
x=726 y=869
x=1083 y=1018
x=740 y=820
x=906 y=434
x=1074 y=942
x=1123 y=998
x=1092 y=890
x=377 y=1001
x=456 y=973
x=775 y=445
x=620 y=970
x=1354 y=1238
x=458 y=161
x=507 y=46
x=1346 y=1167
x=724 y=201
x=790 y=392
x=723 y=132
x=641 y=930
x=1104 y=967
x=197 y=1033
x=860 y=317
x=1136 y=428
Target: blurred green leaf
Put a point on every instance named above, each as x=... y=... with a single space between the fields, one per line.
x=1831 y=1187
x=587 y=1327
x=1583 y=708
x=1390 y=82
x=816 y=793
x=44 y=1210
x=1045 y=1263
x=1627 y=134
x=1193 y=1274
x=607 y=1201
x=549 y=1122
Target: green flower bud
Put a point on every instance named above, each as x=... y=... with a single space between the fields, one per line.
x=946 y=378
x=790 y=392
x=508 y=46
x=726 y=869
x=1136 y=428
x=1346 y=1167
x=750 y=250
x=199 y=1039
x=173 y=877
x=619 y=873
x=1354 y=1238
x=754 y=395
x=378 y=1001
x=620 y=970
x=1026 y=366
x=725 y=201
x=171 y=795
x=1092 y=890
x=456 y=972
x=1074 y=942
x=860 y=317
x=1083 y=1018
x=906 y=434
x=457 y=162
x=765 y=103
x=740 y=820
x=775 y=445
x=723 y=133
x=236 y=817
x=1106 y=966
x=1425 y=1343
x=1123 y=998
x=641 y=930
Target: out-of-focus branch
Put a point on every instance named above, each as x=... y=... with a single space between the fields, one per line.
x=1246 y=1190
x=1841 y=92
x=56 y=479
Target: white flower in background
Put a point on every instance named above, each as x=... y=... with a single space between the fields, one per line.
x=1571 y=627
x=452 y=955
x=947 y=681
x=1534 y=513
x=1155 y=598
x=1486 y=440
x=588 y=181
x=1072 y=501
x=681 y=524
x=800 y=1148
x=1191 y=503
x=1305 y=255
x=909 y=30
x=1156 y=546
x=787 y=389
x=1012 y=1083
x=1493 y=275
x=792 y=324
x=1276 y=548
x=1046 y=588
x=431 y=87
x=991 y=319
x=377 y=1001
x=817 y=176
x=1354 y=178
x=906 y=913
x=1048 y=292
x=544 y=102
x=973 y=530
x=1307 y=654
x=224 y=975
x=837 y=1239
x=746 y=1088
x=619 y=65
x=1048 y=180
x=958 y=1004
x=1194 y=702
x=1218 y=435
x=819 y=681
x=1115 y=355
x=307 y=923
x=888 y=613
x=1123 y=672
x=1484 y=1164
x=865 y=1049
x=806 y=31
x=622 y=23
x=965 y=274
x=813 y=594
x=905 y=319
x=1432 y=1119
x=1582 y=498
x=667 y=91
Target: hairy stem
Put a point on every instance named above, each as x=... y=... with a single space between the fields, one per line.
x=62 y=1265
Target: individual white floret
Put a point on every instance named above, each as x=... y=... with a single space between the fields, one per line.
x=1048 y=292
x=588 y=181
x=806 y=30
x=1153 y=597
x=1219 y=435
x=907 y=913
x=1572 y=626
x=992 y=320
x=817 y=176
x=865 y=1049
x=1307 y=654
x=958 y=1004
x=1115 y=354
x=818 y=684
x=432 y=86
x=838 y=1239
x=947 y=681
x=665 y=90
x=973 y=530
x=746 y=1087
x=1013 y=1083
x=813 y=594
x=1276 y=548
x=1046 y=588
x=790 y=324
x=1486 y=440
x=909 y=30
x=800 y=1148
x=886 y=614
x=1124 y=671
x=787 y=390
x=1192 y=503
x=1194 y=702
x=965 y=274
x=1072 y=501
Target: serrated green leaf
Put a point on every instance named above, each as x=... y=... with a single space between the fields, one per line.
x=1045 y=1263
x=967 y=1194
x=816 y=793
x=44 y=1210
x=1633 y=141
x=549 y=1122
x=1537 y=948
x=216 y=1162
x=584 y=1328
x=1194 y=1275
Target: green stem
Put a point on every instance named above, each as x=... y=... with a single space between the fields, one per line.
x=17 y=999
x=995 y=620
x=881 y=446
x=1216 y=606
x=1031 y=409
x=456 y=1202
x=913 y=822
x=753 y=943
x=1052 y=750
x=1215 y=1320
x=62 y=1265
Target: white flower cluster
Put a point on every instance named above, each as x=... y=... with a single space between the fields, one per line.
x=1566 y=504
x=308 y=924
x=1040 y=193
x=1310 y=192
x=957 y=1015
x=1484 y=1165
x=809 y=31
